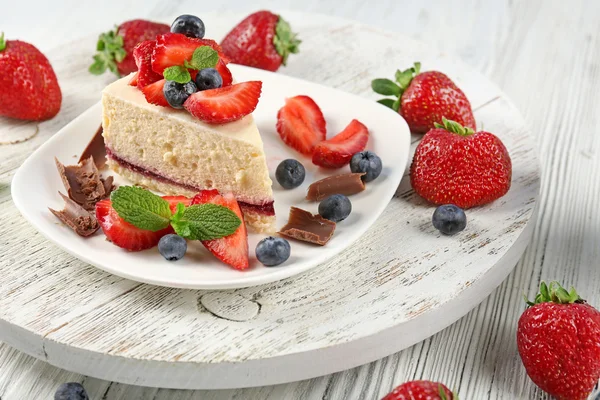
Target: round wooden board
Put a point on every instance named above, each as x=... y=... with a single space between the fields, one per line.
x=398 y=285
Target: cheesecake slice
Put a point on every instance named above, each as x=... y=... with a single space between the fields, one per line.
x=172 y=152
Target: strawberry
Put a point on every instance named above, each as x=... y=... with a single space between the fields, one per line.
x=558 y=338
x=174 y=200
x=226 y=104
x=424 y=98
x=122 y=233
x=28 y=86
x=133 y=81
x=454 y=165
x=115 y=48
x=225 y=73
x=337 y=151
x=300 y=124
x=232 y=249
x=154 y=93
x=175 y=48
x=143 y=59
x=262 y=40
x=421 y=390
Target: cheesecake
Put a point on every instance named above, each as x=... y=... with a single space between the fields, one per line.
x=170 y=151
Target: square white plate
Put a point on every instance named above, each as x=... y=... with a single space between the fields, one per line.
x=36 y=185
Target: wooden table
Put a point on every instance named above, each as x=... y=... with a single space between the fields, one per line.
x=542 y=67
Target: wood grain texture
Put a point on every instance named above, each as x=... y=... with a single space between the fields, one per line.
x=477 y=355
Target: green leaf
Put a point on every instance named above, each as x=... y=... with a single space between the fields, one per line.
x=98 y=66
x=442 y=393
x=285 y=41
x=454 y=127
x=141 y=208
x=2 y=42
x=396 y=105
x=206 y=222
x=404 y=78
x=177 y=73
x=385 y=87
x=417 y=68
x=110 y=51
x=387 y=102
x=203 y=57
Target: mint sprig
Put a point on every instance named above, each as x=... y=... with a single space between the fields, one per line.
x=178 y=74
x=387 y=87
x=110 y=51
x=148 y=211
x=203 y=57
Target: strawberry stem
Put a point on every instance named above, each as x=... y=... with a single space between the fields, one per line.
x=2 y=42
x=110 y=51
x=387 y=87
x=454 y=127
x=285 y=41
x=555 y=293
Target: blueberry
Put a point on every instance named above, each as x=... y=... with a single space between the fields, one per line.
x=290 y=174
x=172 y=247
x=177 y=93
x=208 y=78
x=272 y=251
x=70 y=391
x=189 y=25
x=368 y=162
x=335 y=208
x=449 y=219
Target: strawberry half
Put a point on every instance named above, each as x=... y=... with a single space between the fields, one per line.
x=154 y=93
x=337 y=151
x=175 y=48
x=226 y=104
x=143 y=59
x=232 y=249
x=124 y=234
x=300 y=124
x=225 y=73
x=174 y=200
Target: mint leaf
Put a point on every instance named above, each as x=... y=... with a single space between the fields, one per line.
x=387 y=102
x=203 y=57
x=206 y=222
x=2 y=42
x=141 y=208
x=385 y=87
x=178 y=74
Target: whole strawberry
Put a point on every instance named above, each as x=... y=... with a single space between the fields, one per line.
x=115 y=48
x=454 y=165
x=424 y=98
x=559 y=343
x=421 y=390
x=28 y=86
x=262 y=40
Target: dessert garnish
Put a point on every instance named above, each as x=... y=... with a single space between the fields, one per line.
x=424 y=98
x=189 y=25
x=262 y=40
x=290 y=173
x=273 y=251
x=29 y=89
x=95 y=149
x=346 y=184
x=449 y=219
x=302 y=225
x=172 y=247
x=337 y=151
x=335 y=208
x=83 y=183
x=453 y=164
x=76 y=217
x=367 y=162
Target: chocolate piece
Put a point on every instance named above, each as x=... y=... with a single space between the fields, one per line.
x=304 y=226
x=83 y=183
x=345 y=184
x=77 y=218
x=95 y=149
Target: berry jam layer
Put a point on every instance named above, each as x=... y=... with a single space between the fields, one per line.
x=265 y=209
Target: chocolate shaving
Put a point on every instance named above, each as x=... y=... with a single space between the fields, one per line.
x=76 y=217
x=346 y=184
x=304 y=226
x=96 y=150
x=83 y=183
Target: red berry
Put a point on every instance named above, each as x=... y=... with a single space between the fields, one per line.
x=175 y=48
x=174 y=200
x=262 y=40
x=232 y=249
x=300 y=124
x=143 y=58
x=225 y=73
x=420 y=390
x=124 y=234
x=28 y=86
x=337 y=151
x=453 y=165
x=226 y=104
x=133 y=81
x=154 y=93
x=559 y=343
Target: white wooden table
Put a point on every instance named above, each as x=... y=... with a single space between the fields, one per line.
x=546 y=67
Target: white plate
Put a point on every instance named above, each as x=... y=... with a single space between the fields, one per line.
x=36 y=185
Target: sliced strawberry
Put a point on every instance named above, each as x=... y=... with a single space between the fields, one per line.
x=337 y=151
x=175 y=48
x=133 y=81
x=143 y=59
x=154 y=93
x=225 y=73
x=301 y=124
x=174 y=200
x=232 y=249
x=122 y=233
x=226 y=104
